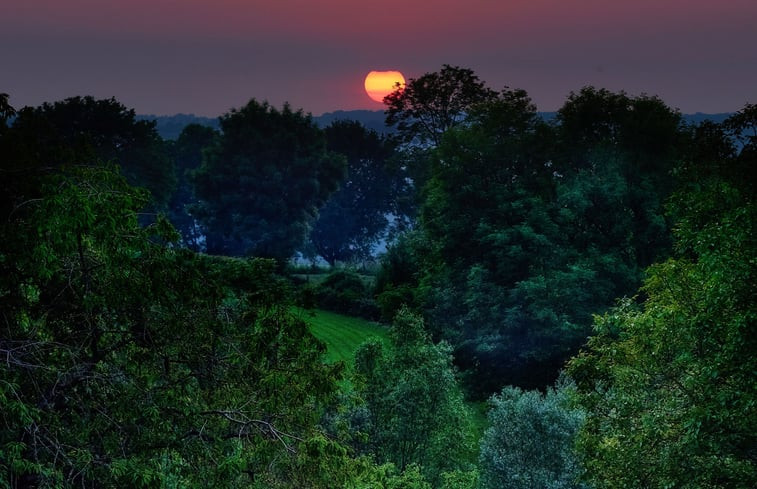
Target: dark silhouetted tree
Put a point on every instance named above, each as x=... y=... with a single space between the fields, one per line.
x=261 y=186
x=6 y=112
x=523 y=235
x=427 y=106
x=88 y=131
x=187 y=153
x=356 y=216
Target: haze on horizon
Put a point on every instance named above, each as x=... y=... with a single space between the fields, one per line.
x=195 y=56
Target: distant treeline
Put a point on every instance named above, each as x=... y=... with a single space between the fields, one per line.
x=170 y=126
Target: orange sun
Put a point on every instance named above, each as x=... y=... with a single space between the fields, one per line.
x=379 y=84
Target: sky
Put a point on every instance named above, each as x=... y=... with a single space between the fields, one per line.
x=209 y=56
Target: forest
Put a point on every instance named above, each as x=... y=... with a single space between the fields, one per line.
x=564 y=304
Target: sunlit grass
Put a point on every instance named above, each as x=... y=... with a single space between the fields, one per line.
x=342 y=334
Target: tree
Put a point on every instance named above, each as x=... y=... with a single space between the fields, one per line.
x=6 y=112
x=415 y=409
x=430 y=105
x=529 y=228
x=668 y=384
x=187 y=152
x=356 y=216
x=261 y=186
x=88 y=131
x=127 y=362
x=529 y=442
x=742 y=130
x=643 y=139
x=486 y=218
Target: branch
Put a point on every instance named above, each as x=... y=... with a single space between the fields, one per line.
x=263 y=426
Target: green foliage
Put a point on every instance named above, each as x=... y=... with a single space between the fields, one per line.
x=386 y=476
x=399 y=275
x=128 y=362
x=414 y=408
x=261 y=186
x=742 y=131
x=669 y=384
x=529 y=443
x=526 y=229
x=460 y=479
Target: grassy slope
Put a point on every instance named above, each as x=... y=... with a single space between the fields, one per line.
x=342 y=334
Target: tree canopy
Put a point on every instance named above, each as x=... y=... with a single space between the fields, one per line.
x=430 y=105
x=357 y=215
x=529 y=441
x=261 y=186
x=526 y=228
x=89 y=131
x=414 y=412
x=187 y=153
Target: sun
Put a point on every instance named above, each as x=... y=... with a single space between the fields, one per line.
x=379 y=84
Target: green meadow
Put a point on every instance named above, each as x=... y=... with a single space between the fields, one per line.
x=342 y=334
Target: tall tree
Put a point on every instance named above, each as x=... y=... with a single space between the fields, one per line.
x=356 y=216
x=187 y=152
x=429 y=105
x=486 y=220
x=261 y=186
x=415 y=409
x=528 y=229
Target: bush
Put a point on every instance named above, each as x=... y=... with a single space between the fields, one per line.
x=529 y=442
x=343 y=291
x=392 y=299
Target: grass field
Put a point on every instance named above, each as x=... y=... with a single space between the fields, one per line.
x=342 y=334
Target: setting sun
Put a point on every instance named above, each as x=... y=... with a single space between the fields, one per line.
x=379 y=84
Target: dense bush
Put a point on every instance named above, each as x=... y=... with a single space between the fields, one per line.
x=344 y=291
x=529 y=443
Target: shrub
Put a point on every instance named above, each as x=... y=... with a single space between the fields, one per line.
x=343 y=291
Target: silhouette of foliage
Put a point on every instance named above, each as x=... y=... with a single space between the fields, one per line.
x=261 y=186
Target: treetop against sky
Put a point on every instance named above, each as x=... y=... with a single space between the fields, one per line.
x=164 y=56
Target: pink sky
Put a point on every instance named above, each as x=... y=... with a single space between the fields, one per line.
x=207 y=56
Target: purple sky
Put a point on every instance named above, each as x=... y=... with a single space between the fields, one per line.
x=207 y=56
